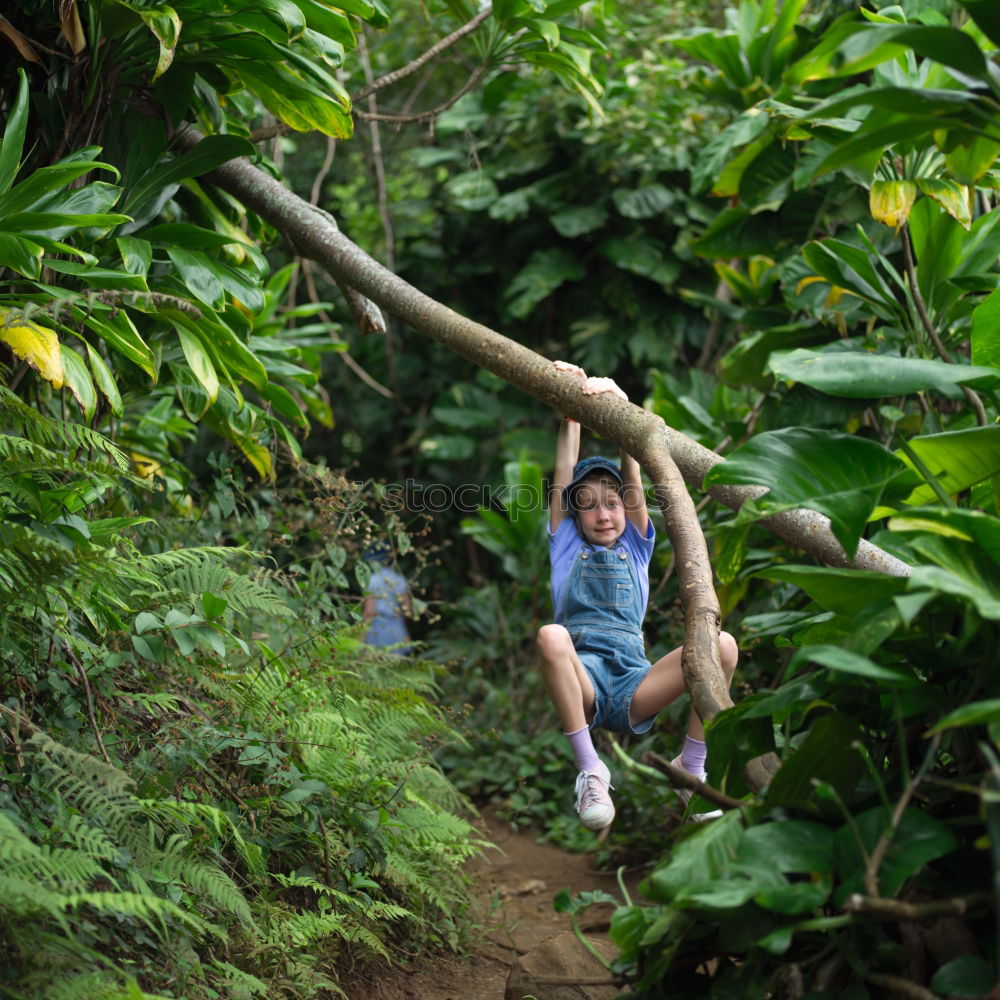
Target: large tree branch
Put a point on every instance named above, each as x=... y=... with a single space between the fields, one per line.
x=622 y=423
x=668 y=457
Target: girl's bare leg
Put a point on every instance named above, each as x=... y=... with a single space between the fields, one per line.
x=572 y=694
x=568 y=685
x=665 y=682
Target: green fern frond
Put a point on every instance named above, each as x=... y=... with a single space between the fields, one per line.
x=15 y=450
x=98 y=986
x=26 y=896
x=305 y=929
x=433 y=825
x=293 y=881
x=214 y=886
x=88 y=784
x=361 y=906
x=150 y=700
x=182 y=816
x=302 y=929
x=87 y=838
x=388 y=911
x=35 y=463
x=67 y=436
x=418 y=679
x=259 y=690
x=38 y=569
x=427 y=784
x=363 y=936
x=13 y=843
x=153 y=911
x=30 y=562
x=194 y=556
x=53 y=867
x=228 y=981
x=244 y=594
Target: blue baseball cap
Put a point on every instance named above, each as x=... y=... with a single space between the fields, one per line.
x=587 y=467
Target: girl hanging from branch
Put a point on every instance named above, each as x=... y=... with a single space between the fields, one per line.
x=593 y=655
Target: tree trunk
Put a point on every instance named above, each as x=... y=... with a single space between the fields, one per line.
x=668 y=457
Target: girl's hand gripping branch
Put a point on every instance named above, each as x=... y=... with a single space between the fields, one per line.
x=569 y=368
x=595 y=385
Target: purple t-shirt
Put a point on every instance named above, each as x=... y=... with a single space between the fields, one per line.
x=566 y=541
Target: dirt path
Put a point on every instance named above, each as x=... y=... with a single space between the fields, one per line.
x=517 y=882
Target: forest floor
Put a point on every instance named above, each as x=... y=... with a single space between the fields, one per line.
x=516 y=881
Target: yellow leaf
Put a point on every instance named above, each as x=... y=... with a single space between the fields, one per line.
x=757 y=266
x=38 y=345
x=890 y=201
x=241 y=307
x=147 y=467
x=811 y=279
x=257 y=455
x=164 y=23
x=950 y=195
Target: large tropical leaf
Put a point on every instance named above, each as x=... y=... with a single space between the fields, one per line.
x=916 y=840
x=843 y=591
x=200 y=363
x=986 y=331
x=79 y=381
x=956 y=460
x=211 y=152
x=745 y=362
x=643 y=256
x=838 y=475
x=105 y=381
x=851 y=268
x=859 y=375
x=827 y=755
x=980 y=530
x=952 y=565
x=118 y=329
x=854 y=47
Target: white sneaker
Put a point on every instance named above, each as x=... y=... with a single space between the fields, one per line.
x=685 y=794
x=593 y=802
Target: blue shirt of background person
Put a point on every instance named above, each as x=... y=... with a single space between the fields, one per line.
x=387 y=602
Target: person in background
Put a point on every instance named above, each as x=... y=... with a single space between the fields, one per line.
x=387 y=602
x=593 y=655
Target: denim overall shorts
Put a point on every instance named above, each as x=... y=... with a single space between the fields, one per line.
x=603 y=615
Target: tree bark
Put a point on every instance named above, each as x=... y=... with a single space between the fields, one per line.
x=669 y=458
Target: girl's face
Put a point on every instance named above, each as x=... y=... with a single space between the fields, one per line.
x=600 y=512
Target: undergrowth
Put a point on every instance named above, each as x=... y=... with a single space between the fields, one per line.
x=208 y=785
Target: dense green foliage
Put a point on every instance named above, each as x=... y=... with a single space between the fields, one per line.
x=209 y=785
x=207 y=779
x=809 y=192
x=773 y=223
